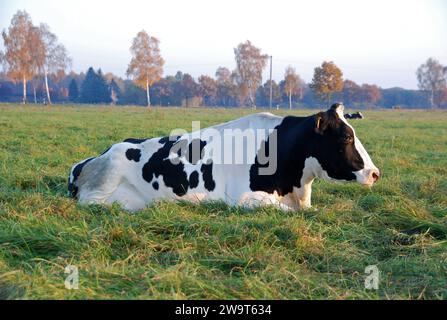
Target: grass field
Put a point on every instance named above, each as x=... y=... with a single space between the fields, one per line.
x=212 y=251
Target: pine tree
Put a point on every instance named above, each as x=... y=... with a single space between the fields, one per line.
x=88 y=87
x=102 y=88
x=73 y=91
x=94 y=89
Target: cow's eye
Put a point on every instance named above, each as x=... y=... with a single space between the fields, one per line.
x=348 y=140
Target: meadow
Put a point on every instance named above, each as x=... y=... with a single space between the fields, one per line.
x=213 y=251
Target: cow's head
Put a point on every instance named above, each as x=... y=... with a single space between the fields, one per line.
x=339 y=151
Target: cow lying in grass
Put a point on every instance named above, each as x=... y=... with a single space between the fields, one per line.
x=202 y=165
x=357 y=115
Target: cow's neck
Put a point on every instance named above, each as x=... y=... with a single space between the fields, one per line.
x=295 y=156
x=303 y=165
x=294 y=134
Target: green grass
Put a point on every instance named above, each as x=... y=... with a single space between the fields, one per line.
x=212 y=251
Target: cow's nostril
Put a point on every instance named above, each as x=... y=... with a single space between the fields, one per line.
x=376 y=176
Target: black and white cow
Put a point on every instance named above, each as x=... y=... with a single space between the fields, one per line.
x=357 y=115
x=137 y=172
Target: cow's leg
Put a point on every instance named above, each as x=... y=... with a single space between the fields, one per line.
x=260 y=198
x=127 y=196
x=303 y=196
x=300 y=198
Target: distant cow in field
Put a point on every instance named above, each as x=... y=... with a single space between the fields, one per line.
x=198 y=166
x=357 y=115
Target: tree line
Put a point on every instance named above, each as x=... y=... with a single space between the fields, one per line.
x=34 y=61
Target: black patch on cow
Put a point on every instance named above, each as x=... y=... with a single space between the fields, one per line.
x=287 y=174
x=193 y=179
x=72 y=188
x=298 y=138
x=133 y=154
x=135 y=141
x=173 y=174
x=180 y=147
x=155 y=185
x=168 y=139
x=194 y=153
x=207 y=175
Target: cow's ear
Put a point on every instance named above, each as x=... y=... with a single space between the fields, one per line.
x=321 y=122
x=338 y=107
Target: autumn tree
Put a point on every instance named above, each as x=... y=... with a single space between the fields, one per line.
x=351 y=92
x=241 y=91
x=115 y=87
x=163 y=90
x=208 y=89
x=188 y=88
x=114 y=91
x=250 y=64
x=327 y=79
x=146 y=66
x=226 y=88
x=443 y=96
x=54 y=58
x=22 y=49
x=35 y=84
x=263 y=93
x=293 y=85
x=223 y=75
x=243 y=94
x=432 y=79
x=370 y=94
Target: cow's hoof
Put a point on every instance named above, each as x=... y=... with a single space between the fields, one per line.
x=309 y=209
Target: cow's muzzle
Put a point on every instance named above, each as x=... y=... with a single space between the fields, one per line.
x=368 y=177
x=375 y=175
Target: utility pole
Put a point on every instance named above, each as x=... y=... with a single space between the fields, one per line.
x=271 y=88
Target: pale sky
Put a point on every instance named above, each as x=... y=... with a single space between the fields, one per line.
x=380 y=41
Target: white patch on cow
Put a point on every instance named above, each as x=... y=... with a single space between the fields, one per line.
x=312 y=169
x=364 y=176
x=313 y=166
x=300 y=198
x=128 y=196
